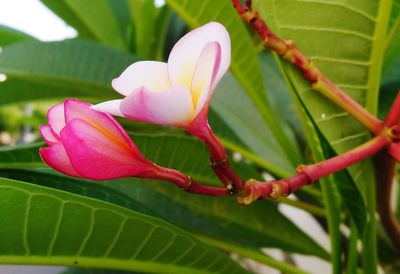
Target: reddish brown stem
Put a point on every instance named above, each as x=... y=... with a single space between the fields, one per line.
x=346 y=159
x=319 y=82
x=219 y=158
x=221 y=175
x=385 y=170
x=183 y=181
x=308 y=174
x=394 y=112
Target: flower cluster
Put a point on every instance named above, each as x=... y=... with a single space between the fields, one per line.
x=86 y=141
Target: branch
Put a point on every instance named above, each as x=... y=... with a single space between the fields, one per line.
x=306 y=175
x=394 y=112
x=319 y=82
x=218 y=157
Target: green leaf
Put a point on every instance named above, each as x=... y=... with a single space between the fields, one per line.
x=248 y=126
x=38 y=226
x=20 y=156
x=93 y=18
x=218 y=218
x=394 y=14
x=354 y=64
x=10 y=36
x=279 y=95
x=389 y=88
x=144 y=16
x=244 y=63
x=60 y=69
x=392 y=43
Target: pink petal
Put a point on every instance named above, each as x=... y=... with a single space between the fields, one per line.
x=96 y=156
x=204 y=75
x=102 y=121
x=111 y=107
x=186 y=52
x=56 y=119
x=170 y=107
x=56 y=157
x=149 y=74
x=48 y=134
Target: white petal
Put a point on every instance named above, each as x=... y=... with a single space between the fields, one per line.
x=186 y=52
x=149 y=74
x=170 y=107
x=111 y=107
x=204 y=75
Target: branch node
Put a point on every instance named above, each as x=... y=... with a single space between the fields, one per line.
x=189 y=184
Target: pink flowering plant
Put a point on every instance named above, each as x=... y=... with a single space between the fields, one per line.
x=261 y=105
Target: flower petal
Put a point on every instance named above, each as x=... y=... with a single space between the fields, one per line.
x=111 y=107
x=204 y=75
x=56 y=157
x=97 y=157
x=186 y=52
x=102 y=121
x=170 y=107
x=56 y=118
x=149 y=74
x=48 y=134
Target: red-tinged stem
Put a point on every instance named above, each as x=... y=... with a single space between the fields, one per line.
x=183 y=181
x=346 y=159
x=308 y=174
x=394 y=112
x=219 y=158
x=385 y=170
x=289 y=51
x=221 y=175
x=248 y=4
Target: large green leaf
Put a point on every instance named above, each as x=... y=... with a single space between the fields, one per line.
x=244 y=63
x=39 y=226
x=346 y=41
x=218 y=218
x=93 y=19
x=38 y=70
x=10 y=36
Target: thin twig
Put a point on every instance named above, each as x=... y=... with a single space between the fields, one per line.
x=319 y=82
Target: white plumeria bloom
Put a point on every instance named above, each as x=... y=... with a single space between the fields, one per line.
x=177 y=92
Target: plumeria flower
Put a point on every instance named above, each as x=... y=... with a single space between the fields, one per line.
x=86 y=143
x=177 y=92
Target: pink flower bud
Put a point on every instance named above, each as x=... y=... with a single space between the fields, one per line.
x=86 y=143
